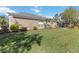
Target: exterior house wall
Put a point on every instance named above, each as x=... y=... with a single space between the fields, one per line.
x=28 y=23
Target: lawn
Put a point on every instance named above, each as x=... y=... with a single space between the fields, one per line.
x=53 y=41
x=57 y=40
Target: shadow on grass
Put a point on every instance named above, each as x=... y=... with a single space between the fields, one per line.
x=18 y=42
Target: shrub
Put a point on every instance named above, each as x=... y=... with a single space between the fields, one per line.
x=4 y=29
x=23 y=29
x=14 y=27
x=35 y=28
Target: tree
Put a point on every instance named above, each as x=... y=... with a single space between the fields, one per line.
x=70 y=14
x=47 y=20
x=56 y=17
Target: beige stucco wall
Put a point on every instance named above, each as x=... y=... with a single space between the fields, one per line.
x=27 y=23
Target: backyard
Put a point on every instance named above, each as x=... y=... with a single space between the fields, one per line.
x=58 y=40
x=41 y=41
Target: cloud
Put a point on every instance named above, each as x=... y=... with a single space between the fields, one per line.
x=49 y=17
x=5 y=10
x=36 y=9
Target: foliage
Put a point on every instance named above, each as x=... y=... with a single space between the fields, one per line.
x=47 y=20
x=14 y=27
x=35 y=28
x=56 y=17
x=23 y=29
x=18 y=42
x=70 y=14
x=4 y=29
x=3 y=21
x=3 y=24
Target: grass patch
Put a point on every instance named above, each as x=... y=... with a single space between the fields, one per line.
x=57 y=40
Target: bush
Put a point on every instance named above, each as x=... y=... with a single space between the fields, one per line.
x=35 y=28
x=14 y=27
x=4 y=29
x=23 y=29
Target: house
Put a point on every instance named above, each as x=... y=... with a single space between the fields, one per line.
x=27 y=20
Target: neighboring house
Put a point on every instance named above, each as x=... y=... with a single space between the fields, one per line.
x=27 y=20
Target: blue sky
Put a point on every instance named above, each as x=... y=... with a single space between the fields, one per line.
x=40 y=10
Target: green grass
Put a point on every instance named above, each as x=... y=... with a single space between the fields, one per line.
x=53 y=41
x=57 y=40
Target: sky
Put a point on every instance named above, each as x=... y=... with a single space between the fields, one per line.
x=48 y=11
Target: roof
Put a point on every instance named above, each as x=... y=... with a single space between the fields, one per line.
x=27 y=16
